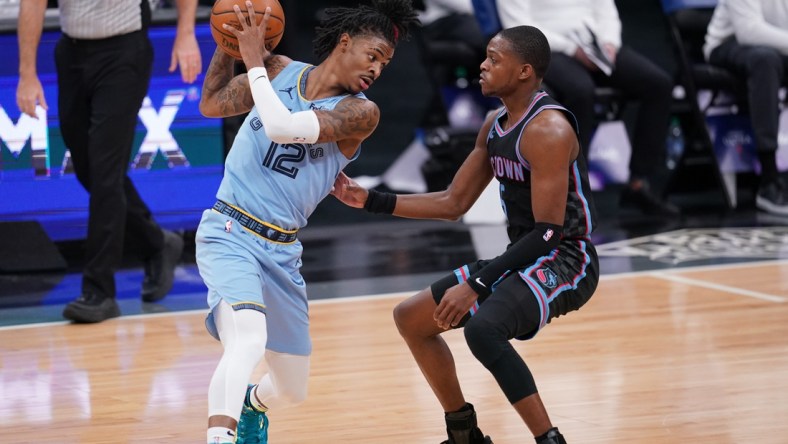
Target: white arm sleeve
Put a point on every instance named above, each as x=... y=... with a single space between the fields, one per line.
x=280 y=125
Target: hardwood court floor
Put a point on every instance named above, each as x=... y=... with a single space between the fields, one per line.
x=693 y=355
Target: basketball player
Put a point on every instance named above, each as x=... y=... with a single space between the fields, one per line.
x=305 y=124
x=550 y=267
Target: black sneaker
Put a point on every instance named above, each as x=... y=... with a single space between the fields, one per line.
x=476 y=438
x=647 y=202
x=90 y=308
x=462 y=428
x=553 y=436
x=773 y=198
x=160 y=268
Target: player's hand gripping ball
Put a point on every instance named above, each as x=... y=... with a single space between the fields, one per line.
x=223 y=13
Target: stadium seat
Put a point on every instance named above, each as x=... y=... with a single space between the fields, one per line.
x=704 y=86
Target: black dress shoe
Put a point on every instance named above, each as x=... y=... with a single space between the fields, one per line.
x=772 y=197
x=90 y=308
x=647 y=202
x=160 y=268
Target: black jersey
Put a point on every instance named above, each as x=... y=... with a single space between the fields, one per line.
x=513 y=172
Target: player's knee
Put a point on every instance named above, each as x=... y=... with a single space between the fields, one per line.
x=240 y=357
x=292 y=395
x=252 y=343
x=403 y=317
x=485 y=339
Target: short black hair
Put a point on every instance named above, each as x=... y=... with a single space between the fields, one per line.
x=389 y=19
x=531 y=45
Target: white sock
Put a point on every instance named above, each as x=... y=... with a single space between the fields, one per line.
x=255 y=401
x=220 y=435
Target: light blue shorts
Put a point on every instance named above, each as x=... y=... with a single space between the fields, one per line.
x=250 y=272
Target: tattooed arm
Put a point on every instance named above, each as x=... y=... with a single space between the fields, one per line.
x=225 y=94
x=352 y=121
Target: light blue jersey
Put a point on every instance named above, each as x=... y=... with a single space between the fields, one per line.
x=279 y=185
x=282 y=184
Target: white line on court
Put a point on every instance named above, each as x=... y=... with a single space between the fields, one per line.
x=724 y=288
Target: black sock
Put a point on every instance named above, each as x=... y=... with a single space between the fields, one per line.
x=464 y=408
x=461 y=426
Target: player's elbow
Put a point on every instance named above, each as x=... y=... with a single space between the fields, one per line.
x=300 y=127
x=208 y=109
x=455 y=215
x=453 y=209
x=279 y=133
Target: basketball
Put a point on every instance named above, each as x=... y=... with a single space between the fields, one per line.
x=223 y=13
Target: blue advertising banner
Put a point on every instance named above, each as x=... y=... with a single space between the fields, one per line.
x=176 y=160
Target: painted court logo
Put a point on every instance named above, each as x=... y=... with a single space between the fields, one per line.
x=691 y=245
x=547 y=277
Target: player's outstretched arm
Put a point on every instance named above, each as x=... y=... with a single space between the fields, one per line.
x=450 y=204
x=349 y=192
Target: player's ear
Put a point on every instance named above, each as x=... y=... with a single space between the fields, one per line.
x=344 y=41
x=526 y=71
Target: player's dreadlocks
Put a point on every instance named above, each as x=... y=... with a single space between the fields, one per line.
x=389 y=19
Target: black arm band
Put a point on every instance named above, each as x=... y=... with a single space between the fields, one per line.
x=537 y=243
x=378 y=202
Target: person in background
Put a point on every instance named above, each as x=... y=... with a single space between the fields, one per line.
x=104 y=61
x=573 y=28
x=550 y=267
x=750 y=38
x=453 y=21
x=452 y=44
x=305 y=124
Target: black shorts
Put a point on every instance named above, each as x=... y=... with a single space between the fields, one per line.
x=552 y=286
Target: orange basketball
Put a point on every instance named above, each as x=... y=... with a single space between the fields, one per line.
x=222 y=12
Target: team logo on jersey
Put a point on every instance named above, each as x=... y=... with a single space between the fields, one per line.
x=547 y=277
x=228 y=226
x=289 y=91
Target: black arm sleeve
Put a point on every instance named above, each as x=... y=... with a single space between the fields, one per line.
x=539 y=242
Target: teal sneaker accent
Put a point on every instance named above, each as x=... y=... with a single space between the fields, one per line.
x=253 y=424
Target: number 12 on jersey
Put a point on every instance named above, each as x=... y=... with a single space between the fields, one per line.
x=281 y=158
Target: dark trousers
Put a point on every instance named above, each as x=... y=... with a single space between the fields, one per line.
x=101 y=87
x=764 y=69
x=641 y=80
x=448 y=44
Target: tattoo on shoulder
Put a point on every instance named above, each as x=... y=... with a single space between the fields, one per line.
x=353 y=118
